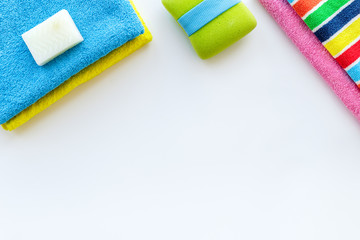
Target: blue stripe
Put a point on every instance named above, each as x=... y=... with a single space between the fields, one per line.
x=291 y=1
x=354 y=72
x=204 y=13
x=339 y=21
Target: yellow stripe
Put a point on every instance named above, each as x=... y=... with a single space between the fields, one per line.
x=346 y=37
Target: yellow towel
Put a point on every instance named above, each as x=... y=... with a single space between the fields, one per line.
x=80 y=78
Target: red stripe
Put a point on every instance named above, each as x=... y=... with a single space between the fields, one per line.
x=349 y=56
x=302 y=7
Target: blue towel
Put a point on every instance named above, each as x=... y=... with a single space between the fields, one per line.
x=104 y=24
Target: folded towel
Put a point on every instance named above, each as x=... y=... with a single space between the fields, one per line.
x=315 y=52
x=105 y=26
x=336 y=23
x=80 y=78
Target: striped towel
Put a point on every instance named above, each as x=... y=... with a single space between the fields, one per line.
x=336 y=23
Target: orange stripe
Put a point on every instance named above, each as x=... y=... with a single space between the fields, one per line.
x=302 y=7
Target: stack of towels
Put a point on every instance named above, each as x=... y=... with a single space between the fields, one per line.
x=323 y=32
x=112 y=30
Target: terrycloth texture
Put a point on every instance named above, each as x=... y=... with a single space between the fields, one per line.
x=80 y=78
x=315 y=52
x=105 y=26
x=336 y=23
x=220 y=33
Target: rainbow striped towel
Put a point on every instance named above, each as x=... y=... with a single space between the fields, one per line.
x=336 y=23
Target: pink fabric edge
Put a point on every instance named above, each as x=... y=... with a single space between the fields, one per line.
x=315 y=52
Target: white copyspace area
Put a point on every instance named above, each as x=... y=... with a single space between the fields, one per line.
x=251 y=144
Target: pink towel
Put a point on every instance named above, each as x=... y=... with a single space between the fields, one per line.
x=315 y=53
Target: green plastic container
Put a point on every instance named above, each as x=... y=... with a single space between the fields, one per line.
x=220 y=33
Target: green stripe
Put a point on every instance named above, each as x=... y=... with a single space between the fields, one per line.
x=324 y=12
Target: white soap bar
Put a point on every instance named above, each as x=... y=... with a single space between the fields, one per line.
x=52 y=38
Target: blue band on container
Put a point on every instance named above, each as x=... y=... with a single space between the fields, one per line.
x=204 y=13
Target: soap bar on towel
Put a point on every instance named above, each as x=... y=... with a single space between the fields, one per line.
x=315 y=52
x=105 y=25
x=82 y=77
x=52 y=37
x=212 y=25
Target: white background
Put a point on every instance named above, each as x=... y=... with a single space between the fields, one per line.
x=251 y=144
